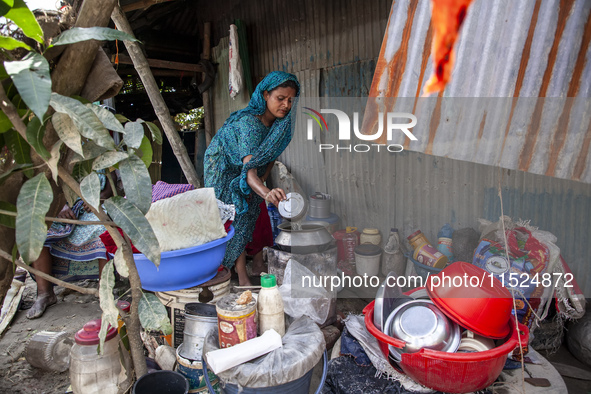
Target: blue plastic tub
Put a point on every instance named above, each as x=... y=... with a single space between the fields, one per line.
x=423 y=270
x=183 y=268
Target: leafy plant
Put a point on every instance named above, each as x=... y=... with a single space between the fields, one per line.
x=85 y=146
x=192 y=120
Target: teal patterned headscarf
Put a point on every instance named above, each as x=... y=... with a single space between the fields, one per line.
x=274 y=144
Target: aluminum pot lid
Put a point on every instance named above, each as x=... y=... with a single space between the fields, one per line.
x=293 y=206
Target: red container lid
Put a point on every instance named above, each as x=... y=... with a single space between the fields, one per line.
x=475 y=300
x=88 y=335
x=124 y=306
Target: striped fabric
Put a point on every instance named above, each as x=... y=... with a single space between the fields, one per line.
x=163 y=190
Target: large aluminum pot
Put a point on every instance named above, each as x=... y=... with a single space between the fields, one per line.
x=310 y=237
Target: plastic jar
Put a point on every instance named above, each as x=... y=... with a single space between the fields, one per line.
x=91 y=372
x=371 y=236
x=416 y=239
x=367 y=259
x=49 y=351
x=270 y=306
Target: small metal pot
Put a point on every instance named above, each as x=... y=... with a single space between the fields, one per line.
x=309 y=238
x=199 y=319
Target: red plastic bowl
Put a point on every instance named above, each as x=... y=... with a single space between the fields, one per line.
x=451 y=372
x=475 y=299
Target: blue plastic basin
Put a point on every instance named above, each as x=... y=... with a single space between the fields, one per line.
x=183 y=268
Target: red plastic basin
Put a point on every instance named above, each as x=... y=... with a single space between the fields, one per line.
x=451 y=372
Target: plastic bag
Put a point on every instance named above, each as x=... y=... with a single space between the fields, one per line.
x=303 y=346
x=235 y=66
x=299 y=298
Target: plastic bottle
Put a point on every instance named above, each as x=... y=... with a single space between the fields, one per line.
x=394 y=259
x=49 y=351
x=424 y=252
x=270 y=306
x=91 y=372
x=275 y=219
x=444 y=242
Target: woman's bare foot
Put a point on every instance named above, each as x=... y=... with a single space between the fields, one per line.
x=41 y=303
x=244 y=280
x=258 y=264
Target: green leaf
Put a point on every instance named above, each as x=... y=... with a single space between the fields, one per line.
x=121 y=118
x=3 y=73
x=108 y=119
x=78 y=34
x=136 y=226
x=81 y=170
x=84 y=118
x=146 y=152
x=35 y=133
x=67 y=131
x=5 y=123
x=54 y=160
x=107 y=302
x=156 y=134
x=20 y=149
x=10 y=43
x=5 y=6
x=91 y=151
x=109 y=159
x=24 y=18
x=31 y=78
x=136 y=182
x=14 y=169
x=90 y=188
x=32 y=205
x=134 y=132
x=120 y=264
x=153 y=315
x=5 y=220
x=70 y=194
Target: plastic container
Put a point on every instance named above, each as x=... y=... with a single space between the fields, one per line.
x=270 y=306
x=423 y=270
x=183 y=268
x=450 y=372
x=91 y=372
x=175 y=301
x=444 y=242
x=236 y=323
x=347 y=241
x=199 y=319
x=49 y=351
x=416 y=239
x=427 y=254
x=367 y=259
x=161 y=382
x=275 y=218
x=371 y=236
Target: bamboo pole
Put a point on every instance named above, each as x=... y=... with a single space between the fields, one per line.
x=208 y=111
x=141 y=65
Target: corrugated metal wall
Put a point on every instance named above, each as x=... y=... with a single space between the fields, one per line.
x=335 y=55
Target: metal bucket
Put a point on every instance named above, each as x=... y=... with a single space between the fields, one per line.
x=319 y=206
x=193 y=372
x=199 y=319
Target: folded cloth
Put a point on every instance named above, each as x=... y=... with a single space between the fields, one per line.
x=223 y=359
x=110 y=244
x=163 y=190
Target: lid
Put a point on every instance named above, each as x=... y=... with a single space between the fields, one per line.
x=124 y=306
x=371 y=231
x=268 y=281
x=414 y=234
x=200 y=309
x=293 y=206
x=394 y=229
x=368 y=250
x=88 y=335
x=351 y=229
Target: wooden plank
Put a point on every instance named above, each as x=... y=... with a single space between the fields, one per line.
x=157 y=72
x=141 y=4
x=155 y=63
x=572 y=372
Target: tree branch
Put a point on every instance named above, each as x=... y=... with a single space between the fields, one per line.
x=62 y=220
x=49 y=278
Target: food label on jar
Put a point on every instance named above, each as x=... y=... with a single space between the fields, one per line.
x=235 y=330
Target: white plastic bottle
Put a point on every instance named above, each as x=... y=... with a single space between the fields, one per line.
x=270 y=306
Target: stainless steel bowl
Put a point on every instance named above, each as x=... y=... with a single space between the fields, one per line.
x=421 y=324
x=309 y=238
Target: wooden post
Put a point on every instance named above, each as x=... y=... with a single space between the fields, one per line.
x=143 y=69
x=208 y=111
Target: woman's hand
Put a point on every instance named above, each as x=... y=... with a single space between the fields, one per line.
x=274 y=196
x=66 y=213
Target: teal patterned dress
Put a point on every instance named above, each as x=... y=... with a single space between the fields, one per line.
x=241 y=135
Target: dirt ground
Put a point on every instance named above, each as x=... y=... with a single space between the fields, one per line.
x=73 y=310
